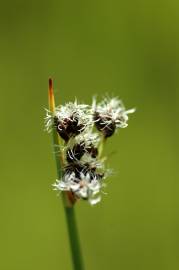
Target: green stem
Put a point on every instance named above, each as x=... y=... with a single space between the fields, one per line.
x=101 y=147
x=74 y=239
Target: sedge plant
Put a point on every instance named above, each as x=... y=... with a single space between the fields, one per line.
x=79 y=134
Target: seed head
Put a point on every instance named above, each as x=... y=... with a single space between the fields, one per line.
x=109 y=115
x=83 y=186
x=83 y=170
x=70 y=120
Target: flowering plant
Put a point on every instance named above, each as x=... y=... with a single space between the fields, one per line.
x=79 y=132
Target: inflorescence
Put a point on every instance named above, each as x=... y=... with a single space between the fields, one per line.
x=83 y=129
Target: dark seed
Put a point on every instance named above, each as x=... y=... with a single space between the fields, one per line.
x=100 y=123
x=75 y=168
x=76 y=153
x=93 y=151
x=61 y=129
x=78 y=168
x=68 y=128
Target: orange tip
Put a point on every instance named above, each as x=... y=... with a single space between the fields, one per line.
x=51 y=96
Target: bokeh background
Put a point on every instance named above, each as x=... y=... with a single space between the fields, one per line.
x=124 y=48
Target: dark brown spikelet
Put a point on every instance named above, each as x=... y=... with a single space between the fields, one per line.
x=100 y=123
x=62 y=129
x=92 y=171
x=73 y=128
x=92 y=150
x=68 y=127
x=75 y=153
x=75 y=168
x=82 y=169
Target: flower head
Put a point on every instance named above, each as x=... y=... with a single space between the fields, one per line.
x=83 y=169
x=70 y=119
x=84 y=186
x=109 y=115
x=85 y=143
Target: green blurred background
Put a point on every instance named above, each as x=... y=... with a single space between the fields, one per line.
x=125 y=48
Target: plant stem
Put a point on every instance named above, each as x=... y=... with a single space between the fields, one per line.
x=101 y=146
x=67 y=202
x=74 y=239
